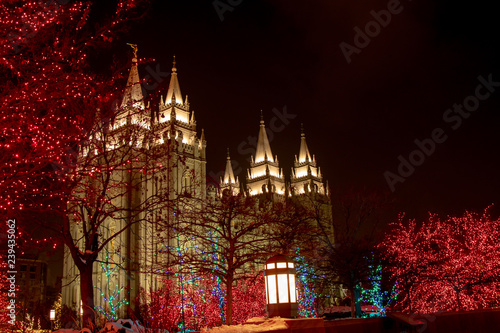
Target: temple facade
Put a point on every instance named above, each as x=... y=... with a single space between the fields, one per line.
x=121 y=270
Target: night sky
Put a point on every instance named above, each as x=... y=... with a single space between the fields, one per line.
x=359 y=116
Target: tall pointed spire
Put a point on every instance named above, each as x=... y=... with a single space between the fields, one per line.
x=132 y=95
x=306 y=176
x=264 y=175
x=228 y=181
x=174 y=89
x=304 y=155
x=229 y=174
x=263 y=152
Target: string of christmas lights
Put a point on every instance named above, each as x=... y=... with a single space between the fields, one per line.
x=307 y=280
x=113 y=294
x=445 y=264
x=375 y=294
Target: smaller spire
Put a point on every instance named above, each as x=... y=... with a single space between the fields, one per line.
x=174 y=90
x=193 y=120
x=263 y=151
x=304 y=154
x=229 y=174
x=202 y=137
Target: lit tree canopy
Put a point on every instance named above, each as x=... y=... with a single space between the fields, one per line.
x=445 y=264
x=50 y=91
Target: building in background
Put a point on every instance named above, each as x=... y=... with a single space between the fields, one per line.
x=174 y=121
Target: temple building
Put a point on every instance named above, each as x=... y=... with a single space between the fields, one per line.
x=172 y=127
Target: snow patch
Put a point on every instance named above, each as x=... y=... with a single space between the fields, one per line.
x=272 y=324
x=256 y=319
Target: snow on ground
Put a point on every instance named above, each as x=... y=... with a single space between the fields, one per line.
x=253 y=325
x=122 y=325
x=256 y=319
x=272 y=324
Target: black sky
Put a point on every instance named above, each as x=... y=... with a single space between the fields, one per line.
x=358 y=116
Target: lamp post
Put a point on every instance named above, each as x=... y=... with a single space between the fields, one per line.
x=52 y=316
x=281 y=293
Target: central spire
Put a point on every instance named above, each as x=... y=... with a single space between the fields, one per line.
x=132 y=96
x=174 y=89
x=229 y=174
x=263 y=152
x=304 y=155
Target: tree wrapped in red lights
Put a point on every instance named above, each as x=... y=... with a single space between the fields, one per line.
x=160 y=309
x=249 y=298
x=50 y=90
x=195 y=305
x=445 y=264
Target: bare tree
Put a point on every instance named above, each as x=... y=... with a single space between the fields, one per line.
x=356 y=223
x=232 y=234
x=111 y=184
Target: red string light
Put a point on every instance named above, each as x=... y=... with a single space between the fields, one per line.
x=446 y=264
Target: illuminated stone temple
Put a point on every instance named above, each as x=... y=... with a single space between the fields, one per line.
x=175 y=120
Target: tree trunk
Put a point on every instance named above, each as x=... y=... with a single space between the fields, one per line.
x=353 y=302
x=229 y=298
x=357 y=296
x=87 y=293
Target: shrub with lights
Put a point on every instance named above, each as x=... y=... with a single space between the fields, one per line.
x=375 y=293
x=308 y=283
